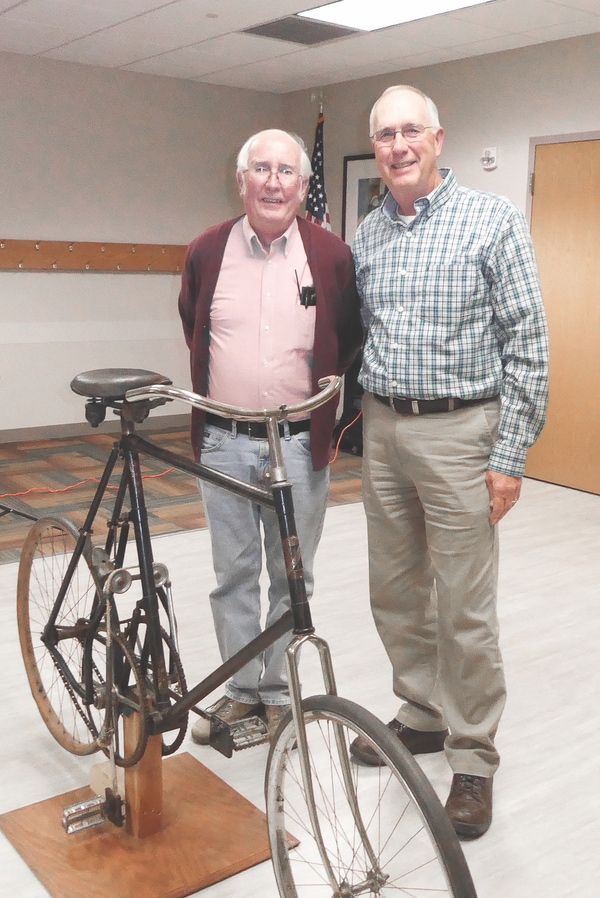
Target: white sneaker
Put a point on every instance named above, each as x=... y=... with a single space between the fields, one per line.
x=227 y=710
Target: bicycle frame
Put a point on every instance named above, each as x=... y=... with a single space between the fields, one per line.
x=130 y=447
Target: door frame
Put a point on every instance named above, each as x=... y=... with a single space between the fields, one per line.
x=534 y=142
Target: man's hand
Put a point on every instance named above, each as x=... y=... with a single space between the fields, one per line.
x=504 y=492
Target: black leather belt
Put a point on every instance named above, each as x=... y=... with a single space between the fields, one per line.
x=255 y=429
x=427 y=406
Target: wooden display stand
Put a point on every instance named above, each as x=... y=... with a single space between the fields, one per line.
x=186 y=829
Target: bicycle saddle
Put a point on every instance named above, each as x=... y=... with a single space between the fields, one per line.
x=113 y=383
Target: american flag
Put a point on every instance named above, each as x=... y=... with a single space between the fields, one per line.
x=317 y=209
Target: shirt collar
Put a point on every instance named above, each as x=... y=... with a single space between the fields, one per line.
x=438 y=196
x=281 y=245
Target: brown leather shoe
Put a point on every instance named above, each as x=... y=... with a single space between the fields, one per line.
x=275 y=714
x=418 y=742
x=469 y=805
x=228 y=710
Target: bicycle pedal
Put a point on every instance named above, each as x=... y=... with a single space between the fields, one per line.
x=230 y=737
x=84 y=815
x=93 y=812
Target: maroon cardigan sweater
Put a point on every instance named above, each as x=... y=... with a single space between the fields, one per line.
x=338 y=331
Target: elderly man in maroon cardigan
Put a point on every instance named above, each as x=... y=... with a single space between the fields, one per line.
x=269 y=305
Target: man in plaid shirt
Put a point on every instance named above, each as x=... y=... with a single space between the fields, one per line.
x=455 y=369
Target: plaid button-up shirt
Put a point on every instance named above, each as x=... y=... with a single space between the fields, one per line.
x=453 y=308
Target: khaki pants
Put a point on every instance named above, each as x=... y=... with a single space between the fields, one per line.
x=433 y=571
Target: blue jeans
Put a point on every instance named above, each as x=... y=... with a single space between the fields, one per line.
x=237 y=528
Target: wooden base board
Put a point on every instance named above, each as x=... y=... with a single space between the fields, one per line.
x=209 y=832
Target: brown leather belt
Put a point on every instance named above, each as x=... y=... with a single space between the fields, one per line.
x=256 y=430
x=427 y=406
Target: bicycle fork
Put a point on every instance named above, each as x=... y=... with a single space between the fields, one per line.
x=292 y=658
x=303 y=634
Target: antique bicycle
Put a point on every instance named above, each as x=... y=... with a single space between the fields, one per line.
x=98 y=635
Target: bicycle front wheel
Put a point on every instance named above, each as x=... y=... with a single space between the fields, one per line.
x=364 y=830
x=56 y=671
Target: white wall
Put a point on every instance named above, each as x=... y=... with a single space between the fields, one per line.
x=55 y=325
x=90 y=154
x=95 y=154
x=500 y=100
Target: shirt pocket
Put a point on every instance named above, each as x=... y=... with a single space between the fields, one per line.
x=448 y=294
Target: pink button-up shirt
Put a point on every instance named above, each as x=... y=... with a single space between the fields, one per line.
x=261 y=336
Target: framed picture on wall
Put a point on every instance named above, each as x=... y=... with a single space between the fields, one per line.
x=363 y=191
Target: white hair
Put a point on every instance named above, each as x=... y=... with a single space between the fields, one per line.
x=244 y=153
x=431 y=107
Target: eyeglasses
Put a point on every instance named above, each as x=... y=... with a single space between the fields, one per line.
x=386 y=136
x=261 y=172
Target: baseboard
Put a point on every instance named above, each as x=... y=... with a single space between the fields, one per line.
x=82 y=428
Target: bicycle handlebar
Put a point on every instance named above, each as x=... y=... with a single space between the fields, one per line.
x=329 y=387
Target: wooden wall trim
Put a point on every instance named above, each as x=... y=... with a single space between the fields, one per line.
x=55 y=255
x=82 y=429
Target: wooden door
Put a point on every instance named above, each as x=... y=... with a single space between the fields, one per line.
x=565 y=226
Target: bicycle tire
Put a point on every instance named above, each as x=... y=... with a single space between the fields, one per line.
x=58 y=693
x=417 y=851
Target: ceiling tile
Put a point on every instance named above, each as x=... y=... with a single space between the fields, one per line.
x=201 y=40
x=123 y=8
x=517 y=15
x=592 y=6
x=211 y=56
x=460 y=31
x=189 y=21
x=418 y=60
x=72 y=16
x=382 y=44
x=271 y=74
x=589 y=25
x=28 y=38
x=104 y=48
x=491 y=45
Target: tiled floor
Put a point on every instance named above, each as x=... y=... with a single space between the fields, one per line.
x=544 y=839
x=50 y=477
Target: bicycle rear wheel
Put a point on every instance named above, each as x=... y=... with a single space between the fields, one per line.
x=56 y=674
x=373 y=831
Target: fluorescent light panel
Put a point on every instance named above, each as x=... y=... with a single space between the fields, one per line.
x=370 y=15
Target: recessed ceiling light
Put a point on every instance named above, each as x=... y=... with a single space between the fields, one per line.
x=374 y=14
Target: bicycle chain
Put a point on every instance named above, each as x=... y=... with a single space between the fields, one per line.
x=179 y=688
x=87 y=720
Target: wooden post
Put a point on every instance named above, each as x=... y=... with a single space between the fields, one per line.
x=143 y=783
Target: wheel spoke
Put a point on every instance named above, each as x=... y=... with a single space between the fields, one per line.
x=382 y=830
